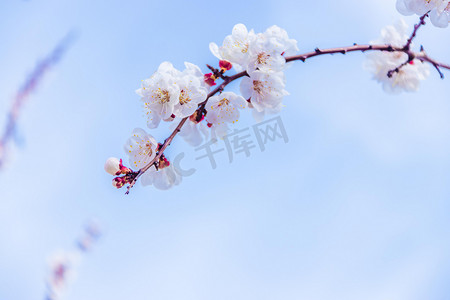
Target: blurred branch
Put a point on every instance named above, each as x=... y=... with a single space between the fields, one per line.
x=28 y=87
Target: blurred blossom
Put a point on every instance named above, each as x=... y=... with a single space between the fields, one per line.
x=380 y=63
x=62 y=271
x=63 y=265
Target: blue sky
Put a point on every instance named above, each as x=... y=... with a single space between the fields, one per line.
x=354 y=206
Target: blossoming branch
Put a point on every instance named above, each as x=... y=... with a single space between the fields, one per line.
x=185 y=97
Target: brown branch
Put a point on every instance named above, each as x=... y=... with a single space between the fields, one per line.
x=396 y=70
x=416 y=28
x=217 y=73
x=344 y=50
x=422 y=56
x=201 y=109
x=407 y=47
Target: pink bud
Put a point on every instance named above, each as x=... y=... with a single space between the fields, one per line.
x=209 y=79
x=225 y=65
x=118 y=182
x=166 y=162
x=123 y=169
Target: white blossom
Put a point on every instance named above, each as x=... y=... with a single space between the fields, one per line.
x=219 y=130
x=141 y=148
x=194 y=133
x=235 y=46
x=260 y=115
x=261 y=57
x=170 y=92
x=439 y=10
x=191 y=94
x=61 y=271
x=278 y=40
x=379 y=63
x=264 y=89
x=267 y=51
x=160 y=93
x=163 y=179
x=195 y=71
x=250 y=51
x=225 y=108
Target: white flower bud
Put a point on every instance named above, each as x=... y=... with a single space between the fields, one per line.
x=112 y=165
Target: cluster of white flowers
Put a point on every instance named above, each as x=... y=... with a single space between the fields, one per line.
x=380 y=63
x=141 y=149
x=249 y=51
x=170 y=94
x=262 y=56
x=439 y=10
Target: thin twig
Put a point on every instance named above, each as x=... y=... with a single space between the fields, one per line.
x=416 y=28
x=407 y=47
x=217 y=73
x=396 y=70
x=422 y=56
x=344 y=50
